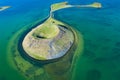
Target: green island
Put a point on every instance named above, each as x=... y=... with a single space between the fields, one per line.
x=4 y=8
x=51 y=39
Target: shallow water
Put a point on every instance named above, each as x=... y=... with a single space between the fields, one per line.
x=100 y=29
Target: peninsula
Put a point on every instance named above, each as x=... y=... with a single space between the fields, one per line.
x=51 y=39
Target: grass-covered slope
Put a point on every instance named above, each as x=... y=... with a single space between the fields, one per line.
x=47 y=30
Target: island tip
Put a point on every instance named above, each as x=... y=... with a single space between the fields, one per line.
x=96 y=5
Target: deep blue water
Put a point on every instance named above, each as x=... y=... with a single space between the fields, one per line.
x=100 y=29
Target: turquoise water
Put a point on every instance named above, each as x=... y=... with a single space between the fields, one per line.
x=100 y=29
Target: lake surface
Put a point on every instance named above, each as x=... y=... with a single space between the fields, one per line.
x=100 y=28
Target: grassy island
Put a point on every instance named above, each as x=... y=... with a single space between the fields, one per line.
x=51 y=39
